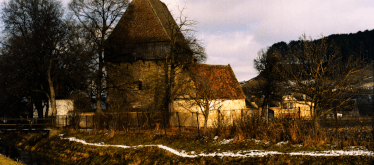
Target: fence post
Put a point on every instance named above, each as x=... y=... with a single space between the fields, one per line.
x=137 y=118
x=232 y=118
x=241 y=116
x=149 y=119
x=144 y=119
x=86 y=122
x=163 y=116
x=179 y=124
x=121 y=116
x=127 y=126
x=198 y=129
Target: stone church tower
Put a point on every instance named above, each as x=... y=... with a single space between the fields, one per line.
x=142 y=54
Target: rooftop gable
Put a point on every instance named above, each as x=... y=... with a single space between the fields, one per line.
x=219 y=79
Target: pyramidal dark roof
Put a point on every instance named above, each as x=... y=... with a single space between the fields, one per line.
x=219 y=79
x=146 y=21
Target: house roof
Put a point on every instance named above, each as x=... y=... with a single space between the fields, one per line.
x=251 y=104
x=220 y=80
x=274 y=108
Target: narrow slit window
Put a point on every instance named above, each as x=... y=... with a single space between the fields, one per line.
x=291 y=105
x=284 y=105
x=138 y=85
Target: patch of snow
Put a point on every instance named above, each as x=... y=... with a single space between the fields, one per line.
x=281 y=143
x=260 y=141
x=176 y=152
x=84 y=129
x=226 y=141
x=257 y=141
x=368 y=77
x=215 y=138
x=244 y=153
x=358 y=148
x=297 y=145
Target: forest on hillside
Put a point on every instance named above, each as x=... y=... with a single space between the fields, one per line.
x=360 y=44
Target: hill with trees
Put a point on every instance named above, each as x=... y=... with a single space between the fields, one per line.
x=360 y=44
x=316 y=68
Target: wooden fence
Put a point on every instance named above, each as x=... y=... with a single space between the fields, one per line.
x=175 y=122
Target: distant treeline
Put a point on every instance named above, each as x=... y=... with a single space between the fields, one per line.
x=360 y=44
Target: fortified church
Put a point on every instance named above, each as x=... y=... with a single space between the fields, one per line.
x=150 y=65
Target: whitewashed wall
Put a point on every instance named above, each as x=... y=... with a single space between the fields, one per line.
x=304 y=109
x=63 y=106
x=230 y=110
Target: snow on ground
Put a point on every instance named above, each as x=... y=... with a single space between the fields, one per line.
x=281 y=143
x=244 y=153
x=260 y=141
x=226 y=141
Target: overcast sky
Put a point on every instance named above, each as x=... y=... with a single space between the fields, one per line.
x=233 y=31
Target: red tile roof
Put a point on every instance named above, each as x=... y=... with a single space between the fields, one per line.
x=221 y=80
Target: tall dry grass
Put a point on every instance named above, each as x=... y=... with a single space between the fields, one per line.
x=297 y=131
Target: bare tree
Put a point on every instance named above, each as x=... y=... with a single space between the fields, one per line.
x=187 y=27
x=316 y=69
x=45 y=52
x=98 y=17
x=200 y=95
x=35 y=31
x=267 y=86
x=185 y=49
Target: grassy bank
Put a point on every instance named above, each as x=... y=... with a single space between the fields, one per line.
x=8 y=161
x=66 y=152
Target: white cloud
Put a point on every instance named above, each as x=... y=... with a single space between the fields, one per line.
x=234 y=48
x=234 y=30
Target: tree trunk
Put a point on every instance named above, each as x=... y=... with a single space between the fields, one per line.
x=206 y=124
x=267 y=113
x=37 y=102
x=316 y=124
x=336 y=121
x=167 y=92
x=40 y=111
x=98 y=83
x=46 y=109
x=51 y=89
x=315 y=121
x=206 y=117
